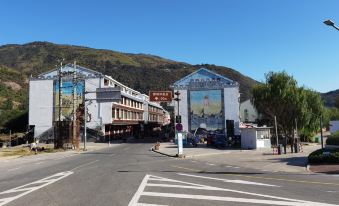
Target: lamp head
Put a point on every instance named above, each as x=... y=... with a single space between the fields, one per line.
x=329 y=22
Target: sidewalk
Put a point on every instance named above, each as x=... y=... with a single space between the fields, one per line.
x=90 y=146
x=326 y=169
x=262 y=159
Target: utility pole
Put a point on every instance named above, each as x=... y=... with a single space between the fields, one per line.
x=57 y=144
x=276 y=129
x=75 y=140
x=177 y=121
x=85 y=114
x=10 y=138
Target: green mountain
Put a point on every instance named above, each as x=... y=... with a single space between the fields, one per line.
x=330 y=97
x=142 y=72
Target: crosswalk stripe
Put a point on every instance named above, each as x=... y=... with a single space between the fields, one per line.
x=273 y=200
x=229 y=181
x=28 y=188
x=231 y=199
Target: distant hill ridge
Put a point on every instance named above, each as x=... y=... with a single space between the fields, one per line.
x=329 y=97
x=142 y=72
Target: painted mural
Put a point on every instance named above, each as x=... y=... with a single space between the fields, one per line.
x=206 y=107
x=67 y=98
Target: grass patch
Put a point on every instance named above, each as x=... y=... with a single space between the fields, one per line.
x=15 y=152
x=25 y=151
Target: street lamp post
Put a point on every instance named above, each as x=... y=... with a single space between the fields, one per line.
x=331 y=23
x=321 y=131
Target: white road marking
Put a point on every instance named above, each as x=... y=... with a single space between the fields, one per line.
x=273 y=200
x=126 y=148
x=63 y=157
x=210 y=164
x=86 y=164
x=38 y=163
x=333 y=191
x=16 y=168
x=228 y=199
x=228 y=180
x=229 y=166
x=112 y=155
x=31 y=187
x=137 y=195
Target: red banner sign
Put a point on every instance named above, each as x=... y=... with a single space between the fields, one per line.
x=160 y=96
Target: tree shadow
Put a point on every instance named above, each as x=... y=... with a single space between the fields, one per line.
x=293 y=161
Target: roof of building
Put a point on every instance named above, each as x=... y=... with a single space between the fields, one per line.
x=83 y=71
x=204 y=75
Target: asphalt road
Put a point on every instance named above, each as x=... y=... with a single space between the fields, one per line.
x=130 y=174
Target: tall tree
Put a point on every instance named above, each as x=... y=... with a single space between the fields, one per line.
x=280 y=96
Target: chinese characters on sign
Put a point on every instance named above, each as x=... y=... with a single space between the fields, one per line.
x=160 y=96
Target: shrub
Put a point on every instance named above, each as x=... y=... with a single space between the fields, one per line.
x=319 y=158
x=334 y=135
x=333 y=139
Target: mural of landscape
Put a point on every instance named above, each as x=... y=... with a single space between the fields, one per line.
x=206 y=107
x=67 y=99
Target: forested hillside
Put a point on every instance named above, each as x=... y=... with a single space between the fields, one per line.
x=142 y=72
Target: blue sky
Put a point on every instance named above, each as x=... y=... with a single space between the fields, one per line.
x=251 y=36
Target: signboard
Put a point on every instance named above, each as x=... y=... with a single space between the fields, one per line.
x=160 y=96
x=109 y=94
x=180 y=146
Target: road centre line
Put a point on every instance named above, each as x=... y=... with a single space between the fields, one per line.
x=185 y=168
x=16 y=168
x=228 y=180
x=64 y=157
x=126 y=148
x=86 y=164
x=229 y=166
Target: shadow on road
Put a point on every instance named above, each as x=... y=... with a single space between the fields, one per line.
x=294 y=161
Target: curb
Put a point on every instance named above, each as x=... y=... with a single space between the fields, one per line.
x=308 y=168
x=168 y=155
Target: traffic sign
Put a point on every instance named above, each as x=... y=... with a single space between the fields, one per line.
x=160 y=96
x=178 y=127
x=178 y=119
x=109 y=94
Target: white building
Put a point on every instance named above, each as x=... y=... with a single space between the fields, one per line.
x=255 y=137
x=127 y=116
x=334 y=126
x=210 y=99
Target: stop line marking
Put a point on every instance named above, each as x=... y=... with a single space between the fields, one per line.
x=31 y=187
x=273 y=200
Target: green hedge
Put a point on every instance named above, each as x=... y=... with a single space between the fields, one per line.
x=332 y=141
x=318 y=157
